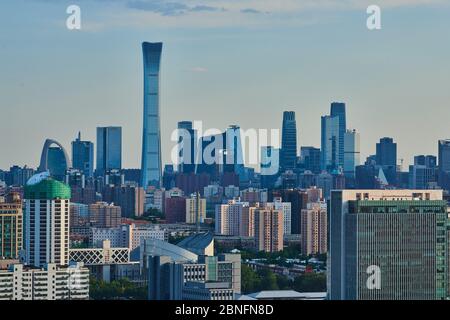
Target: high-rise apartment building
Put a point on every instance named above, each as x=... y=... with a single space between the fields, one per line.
x=314 y=228
x=388 y=245
x=11 y=225
x=83 y=156
x=195 y=209
x=109 y=149
x=269 y=230
x=104 y=215
x=47 y=204
x=285 y=207
x=231 y=217
x=151 y=135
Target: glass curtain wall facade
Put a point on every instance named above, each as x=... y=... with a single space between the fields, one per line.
x=151 y=138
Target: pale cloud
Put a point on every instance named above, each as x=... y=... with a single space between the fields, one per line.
x=227 y=13
x=198 y=69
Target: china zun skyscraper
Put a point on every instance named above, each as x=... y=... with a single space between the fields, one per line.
x=151 y=139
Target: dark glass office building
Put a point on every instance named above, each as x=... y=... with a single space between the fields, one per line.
x=109 y=149
x=151 y=136
x=289 y=141
x=83 y=156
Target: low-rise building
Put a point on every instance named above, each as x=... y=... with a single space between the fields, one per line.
x=52 y=282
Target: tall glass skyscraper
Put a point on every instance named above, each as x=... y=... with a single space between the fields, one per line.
x=83 y=156
x=386 y=152
x=109 y=149
x=151 y=137
x=338 y=110
x=289 y=141
x=333 y=136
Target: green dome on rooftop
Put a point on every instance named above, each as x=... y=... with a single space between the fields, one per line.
x=46 y=188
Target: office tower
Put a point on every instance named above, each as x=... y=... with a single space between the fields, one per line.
x=175 y=207
x=54 y=159
x=314 y=228
x=422 y=177
x=104 y=215
x=269 y=166
x=310 y=158
x=83 y=156
x=386 y=152
x=269 y=230
x=229 y=217
x=338 y=110
x=109 y=149
x=444 y=155
x=288 y=159
x=18 y=176
x=221 y=153
x=285 y=207
x=330 y=143
x=192 y=182
x=428 y=161
x=188 y=144
x=52 y=282
x=128 y=197
x=11 y=225
x=47 y=204
x=234 y=158
x=388 y=245
x=351 y=152
x=333 y=128
x=151 y=136
x=195 y=209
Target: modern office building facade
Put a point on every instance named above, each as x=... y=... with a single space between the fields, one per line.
x=337 y=109
x=54 y=159
x=388 y=245
x=351 y=152
x=386 y=152
x=289 y=141
x=83 y=156
x=109 y=149
x=330 y=143
x=151 y=136
x=46 y=231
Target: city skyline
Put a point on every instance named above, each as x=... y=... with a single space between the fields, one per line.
x=393 y=95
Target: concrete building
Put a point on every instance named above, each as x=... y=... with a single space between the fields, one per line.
x=388 y=245
x=129 y=236
x=285 y=207
x=195 y=210
x=50 y=283
x=11 y=225
x=314 y=228
x=230 y=218
x=104 y=215
x=269 y=229
x=47 y=203
x=207 y=291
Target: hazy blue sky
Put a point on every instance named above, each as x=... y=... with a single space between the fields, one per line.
x=224 y=62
